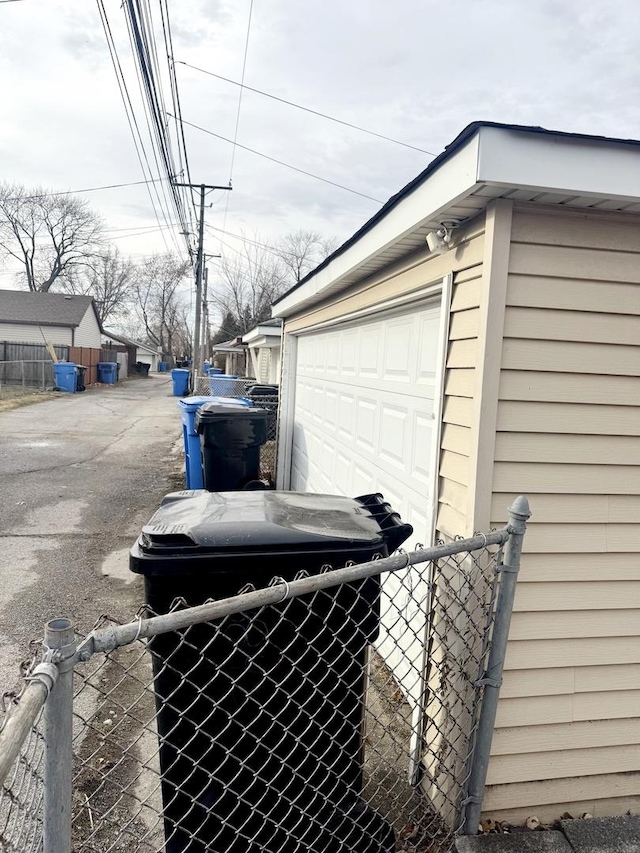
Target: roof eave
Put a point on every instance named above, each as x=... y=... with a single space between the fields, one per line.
x=484 y=156
x=453 y=180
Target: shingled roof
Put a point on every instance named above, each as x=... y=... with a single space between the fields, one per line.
x=43 y=309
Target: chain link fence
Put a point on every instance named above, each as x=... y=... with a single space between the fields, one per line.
x=210 y=385
x=18 y=376
x=341 y=712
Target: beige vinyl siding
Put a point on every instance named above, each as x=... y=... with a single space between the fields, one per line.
x=412 y=274
x=568 y=436
x=458 y=405
x=24 y=333
x=88 y=333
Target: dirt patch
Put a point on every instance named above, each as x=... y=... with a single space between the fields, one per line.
x=116 y=797
x=15 y=398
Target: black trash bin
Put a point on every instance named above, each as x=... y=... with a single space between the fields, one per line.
x=267 y=398
x=231 y=437
x=80 y=374
x=260 y=714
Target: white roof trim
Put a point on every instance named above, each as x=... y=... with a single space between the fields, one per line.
x=559 y=164
x=453 y=180
x=506 y=157
x=262 y=332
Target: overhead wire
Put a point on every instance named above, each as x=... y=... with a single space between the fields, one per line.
x=271 y=249
x=235 y=133
x=142 y=41
x=175 y=97
x=282 y=163
x=88 y=189
x=141 y=154
x=243 y=86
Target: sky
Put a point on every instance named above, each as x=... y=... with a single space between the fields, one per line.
x=415 y=70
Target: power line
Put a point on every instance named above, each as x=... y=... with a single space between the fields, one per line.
x=142 y=40
x=272 y=249
x=145 y=226
x=235 y=133
x=282 y=163
x=130 y=115
x=183 y=156
x=307 y=109
x=85 y=189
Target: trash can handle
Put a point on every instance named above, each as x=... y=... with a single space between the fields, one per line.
x=393 y=529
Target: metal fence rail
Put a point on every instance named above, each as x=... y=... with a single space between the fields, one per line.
x=346 y=711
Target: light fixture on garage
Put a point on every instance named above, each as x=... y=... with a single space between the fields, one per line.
x=440 y=241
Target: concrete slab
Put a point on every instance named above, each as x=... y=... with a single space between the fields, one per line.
x=604 y=834
x=514 y=842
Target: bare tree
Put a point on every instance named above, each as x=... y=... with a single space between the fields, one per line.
x=158 y=301
x=301 y=251
x=245 y=286
x=52 y=236
x=248 y=282
x=109 y=279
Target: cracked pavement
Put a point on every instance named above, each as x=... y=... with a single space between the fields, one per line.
x=79 y=475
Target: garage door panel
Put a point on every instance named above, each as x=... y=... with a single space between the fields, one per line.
x=346 y=384
x=423 y=429
x=348 y=352
x=346 y=415
x=370 y=353
x=394 y=434
x=364 y=422
x=398 y=354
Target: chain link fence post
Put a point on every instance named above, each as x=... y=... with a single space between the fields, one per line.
x=519 y=512
x=60 y=643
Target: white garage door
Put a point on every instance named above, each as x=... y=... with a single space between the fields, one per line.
x=365 y=421
x=364 y=411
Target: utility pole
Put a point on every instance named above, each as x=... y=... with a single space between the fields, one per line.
x=199 y=266
x=206 y=325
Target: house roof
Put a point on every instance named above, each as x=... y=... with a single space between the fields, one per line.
x=43 y=309
x=268 y=330
x=228 y=346
x=129 y=341
x=486 y=160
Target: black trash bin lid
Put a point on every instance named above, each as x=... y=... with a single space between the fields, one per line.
x=224 y=524
x=211 y=413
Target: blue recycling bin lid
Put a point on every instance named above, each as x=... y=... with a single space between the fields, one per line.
x=192 y=404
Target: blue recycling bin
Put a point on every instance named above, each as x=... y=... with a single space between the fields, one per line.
x=108 y=372
x=162 y=367
x=180 y=379
x=66 y=376
x=206 y=367
x=215 y=370
x=192 y=456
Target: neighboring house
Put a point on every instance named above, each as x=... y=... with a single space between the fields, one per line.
x=264 y=342
x=145 y=353
x=233 y=355
x=31 y=319
x=507 y=361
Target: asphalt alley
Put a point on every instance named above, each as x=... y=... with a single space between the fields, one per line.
x=79 y=475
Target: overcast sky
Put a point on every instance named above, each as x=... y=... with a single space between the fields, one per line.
x=415 y=70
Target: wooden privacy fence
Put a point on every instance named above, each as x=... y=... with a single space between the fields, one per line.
x=89 y=358
x=10 y=351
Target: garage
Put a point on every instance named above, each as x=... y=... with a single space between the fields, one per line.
x=365 y=411
x=365 y=416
